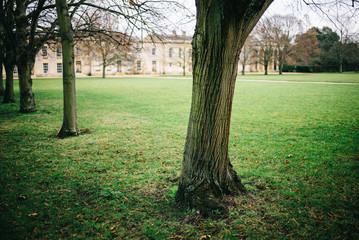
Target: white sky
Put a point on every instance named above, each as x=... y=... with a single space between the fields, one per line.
x=314 y=15
x=310 y=15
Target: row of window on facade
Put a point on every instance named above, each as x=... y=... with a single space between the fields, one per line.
x=171 y=51
x=59 y=67
x=78 y=52
x=139 y=66
x=58 y=52
x=45 y=67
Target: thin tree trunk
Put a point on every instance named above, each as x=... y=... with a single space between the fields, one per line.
x=340 y=67
x=103 y=69
x=184 y=60
x=27 y=102
x=207 y=174
x=9 y=96
x=243 y=69
x=2 y=89
x=281 y=69
x=69 y=125
x=265 y=69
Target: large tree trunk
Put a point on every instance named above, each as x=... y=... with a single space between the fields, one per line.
x=69 y=125
x=2 y=89
x=9 y=96
x=27 y=102
x=207 y=174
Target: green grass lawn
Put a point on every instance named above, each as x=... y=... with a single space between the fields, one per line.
x=305 y=77
x=295 y=146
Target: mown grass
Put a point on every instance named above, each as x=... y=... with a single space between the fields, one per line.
x=295 y=147
x=304 y=77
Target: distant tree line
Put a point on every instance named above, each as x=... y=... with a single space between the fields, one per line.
x=280 y=39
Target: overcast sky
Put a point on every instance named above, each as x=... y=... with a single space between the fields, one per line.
x=310 y=15
x=315 y=16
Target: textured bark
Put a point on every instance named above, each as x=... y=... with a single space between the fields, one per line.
x=207 y=174
x=2 y=89
x=9 y=96
x=69 y=125
x=24 y=61
x=27 y=100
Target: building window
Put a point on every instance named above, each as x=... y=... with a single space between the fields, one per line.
x=180 y=53
x=180 y=67
x=58 y=52
x=78 y=66
x=171 y=67
x=170 y=52
x=190 y=52
x=138 y=46
x=15 y=69
x=153 y=51
x=59 y=67
x=129 y=66
x=44 y=51
x=154 y=66
x=138 y=65
x=119 y=66
x=78 y=51
x=45 y=66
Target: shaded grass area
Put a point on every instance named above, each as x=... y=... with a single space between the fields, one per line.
x=294 y=146
x=305 y=77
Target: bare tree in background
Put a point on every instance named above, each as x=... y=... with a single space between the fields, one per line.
x=284 y=30
x=104 y=37
x=264 y=43
x=246 y=53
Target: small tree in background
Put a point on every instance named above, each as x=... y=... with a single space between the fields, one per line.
x=246 y=52
x=284 y=29
x=306 y=50
x=264 y=42
x=103 y=36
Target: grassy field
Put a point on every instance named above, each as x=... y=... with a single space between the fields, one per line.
x=305 y=77
x=295 y=146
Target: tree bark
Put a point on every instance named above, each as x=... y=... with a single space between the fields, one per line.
x=9 y=96
x=103 y=69
x=69 y=125
x=243 y=69
x=207 y=174
x=280 y=68
x=265 y=69
x=2 y=89
x=27 y=101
